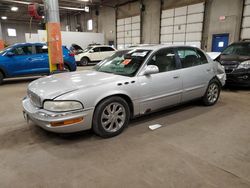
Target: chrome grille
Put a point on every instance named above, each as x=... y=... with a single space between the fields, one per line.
x=35 y=99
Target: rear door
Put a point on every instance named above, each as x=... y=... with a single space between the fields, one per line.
x=164 y=88
x=41 y=59
x=196 y=72
x=106 y=52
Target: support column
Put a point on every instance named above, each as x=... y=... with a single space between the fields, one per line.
x=1 y=38
x=54 y=36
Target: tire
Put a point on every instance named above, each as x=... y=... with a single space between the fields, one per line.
x=67 y=68
x=111 y=117
x=1 y=78
x=212 y=93
x=84 y=61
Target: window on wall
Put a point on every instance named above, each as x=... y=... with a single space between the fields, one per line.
x=90 y=25
x=11 y=32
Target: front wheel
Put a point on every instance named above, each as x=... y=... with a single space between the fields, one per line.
x=111 y=117
x=212 y=94
x=84 y=61
x=1 y=78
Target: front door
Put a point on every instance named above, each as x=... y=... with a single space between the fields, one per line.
x=220 y=42
x=164 y=88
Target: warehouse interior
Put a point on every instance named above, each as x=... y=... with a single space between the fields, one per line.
x=183 y=145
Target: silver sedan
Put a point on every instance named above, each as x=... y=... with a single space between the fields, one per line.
x=130 y=83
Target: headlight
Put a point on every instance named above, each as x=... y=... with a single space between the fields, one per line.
x=62 y=106
x=244 y=65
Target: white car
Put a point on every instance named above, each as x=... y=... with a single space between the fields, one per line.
x=94 y=54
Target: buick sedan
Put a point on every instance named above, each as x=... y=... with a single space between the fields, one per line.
x=130 y=83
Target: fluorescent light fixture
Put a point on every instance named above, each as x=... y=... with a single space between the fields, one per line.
x=72 y=8
x=90 y=25
x=4 y=17
x=84 y=0
x=14 y=9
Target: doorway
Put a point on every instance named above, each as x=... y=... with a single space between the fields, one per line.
x=220 y=42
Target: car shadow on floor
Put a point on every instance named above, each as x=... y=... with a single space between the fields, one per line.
x=20 y=80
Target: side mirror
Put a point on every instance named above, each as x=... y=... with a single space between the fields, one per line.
x=91 y=51
x=151 y=69
x=9 y=54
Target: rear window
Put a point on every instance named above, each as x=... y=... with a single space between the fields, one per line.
x=242 y=49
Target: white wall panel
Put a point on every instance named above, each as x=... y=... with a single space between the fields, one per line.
x=181 y=11
x=246 y=22
x=168 y=13
x=195 y=18
x=120 y=22
x=136 y=33
x=180 y=20
x=120 y=28
x=195 y=44
x=167 y=21
x=167 y=38
x=136 y=26
x=196 y=8
x=128 y=34
x=128 y=27
x=128 y=40
x=193 y=37
x=120 y=34
x=179 y=37
x=167 y=30
x=120 y=40
x=180 y=29
x=128 y=20
x=135 y=40
x=245 y=33
x=247 y=10
x=197 y=27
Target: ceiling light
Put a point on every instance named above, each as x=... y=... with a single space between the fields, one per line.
x=14 y=9
x=4 y=17
x=84 y=0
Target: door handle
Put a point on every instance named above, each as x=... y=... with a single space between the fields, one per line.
x=208 y=70
x=176 y=77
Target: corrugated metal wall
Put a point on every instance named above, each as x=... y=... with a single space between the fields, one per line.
x=245 y=31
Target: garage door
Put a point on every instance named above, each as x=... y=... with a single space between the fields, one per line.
x=245 y=32
x=128 y=31
x=183 y=25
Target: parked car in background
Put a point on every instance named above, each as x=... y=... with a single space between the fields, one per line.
x=236 y=60
x=27 y=59
x=128 y=84
x=94 y=54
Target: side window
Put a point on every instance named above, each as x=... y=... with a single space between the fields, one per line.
x=41 y=49
x=22 y=50
x=164 y=59
x=106 y=49
x=191 y=57
x=96 y=49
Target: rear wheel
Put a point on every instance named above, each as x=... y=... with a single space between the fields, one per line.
x=111 y=117
x=1 y=78
x=212 y=94
x=84 y=61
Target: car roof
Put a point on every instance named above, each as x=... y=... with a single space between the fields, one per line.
x=159 y=46
x=100 y=46
x=29 y=43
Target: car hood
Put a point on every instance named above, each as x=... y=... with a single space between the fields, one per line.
x=56 y=85
x=233 y=58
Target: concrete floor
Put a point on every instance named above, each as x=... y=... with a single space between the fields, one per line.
x=196 y=147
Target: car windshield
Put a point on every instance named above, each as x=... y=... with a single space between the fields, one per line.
x=126 y=62
x=242 y=49
x=87 y=49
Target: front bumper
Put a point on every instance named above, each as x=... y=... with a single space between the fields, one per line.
x=43 y=118
x=239 y=78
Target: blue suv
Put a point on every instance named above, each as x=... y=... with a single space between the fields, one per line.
x=27 y=59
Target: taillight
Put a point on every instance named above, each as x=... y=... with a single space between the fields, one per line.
x=71 y=54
